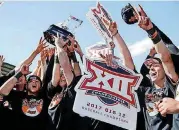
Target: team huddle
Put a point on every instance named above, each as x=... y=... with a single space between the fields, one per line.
x=44 y=99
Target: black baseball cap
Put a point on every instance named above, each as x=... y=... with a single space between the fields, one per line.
x=34 y=77
x=127 y=12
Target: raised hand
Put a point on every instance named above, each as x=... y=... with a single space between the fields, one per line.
x=144 y=21
x=51 y=51
x=77 y=48
x=74 y=46
x=108 y=58
x=42 y=45
x=152 y=51
x=1 y=60
x=71 y=46
x=113 y=28
x=59 y=42
x=25 y=69
x=142 y=12
x=43 y=55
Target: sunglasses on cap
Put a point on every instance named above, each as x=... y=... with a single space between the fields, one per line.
x=152 y=61
x=34 y=77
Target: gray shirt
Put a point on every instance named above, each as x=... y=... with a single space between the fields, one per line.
x=148 y=97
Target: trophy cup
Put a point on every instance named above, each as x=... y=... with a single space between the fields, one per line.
x=64 y=29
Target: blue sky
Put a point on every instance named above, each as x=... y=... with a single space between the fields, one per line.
x=22 y=24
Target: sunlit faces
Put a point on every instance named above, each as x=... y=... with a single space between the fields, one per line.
x=149 y=62
x=156 y=71
x=34 y=85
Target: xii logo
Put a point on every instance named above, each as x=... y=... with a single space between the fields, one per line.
x=111 y=86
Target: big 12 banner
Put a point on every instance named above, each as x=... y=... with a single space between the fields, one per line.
x=101 y=20
x=108 y=94
x=96 y=49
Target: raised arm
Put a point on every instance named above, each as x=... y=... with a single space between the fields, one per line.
x=77 y=68
x=75 y=47
x=146 y=24
x=39 y=48
x=51 y=51
x=39 y=72
x=128 y=61
x=64 y=60
x=167 y=41
x=43 y=66
x=56 y=71
x=35 y=72
x=9 y=84
x=165 y=58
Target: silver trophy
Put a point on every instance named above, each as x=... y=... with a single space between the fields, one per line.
x=64 y=29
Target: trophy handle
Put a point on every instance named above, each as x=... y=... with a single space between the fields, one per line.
x=77 y=20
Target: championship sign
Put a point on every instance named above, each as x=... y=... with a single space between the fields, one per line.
x=107 y=94
x=96 y=49
x=101 y=20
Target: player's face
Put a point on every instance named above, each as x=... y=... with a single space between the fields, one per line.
x=33 y=86
x=156 y=72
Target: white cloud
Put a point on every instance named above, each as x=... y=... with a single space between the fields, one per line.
x=140 y=47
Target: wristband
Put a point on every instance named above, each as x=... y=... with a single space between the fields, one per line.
x=73 y=57
x=18 y=75
x=151 y=31
x=56 y=59
x=156 y=39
